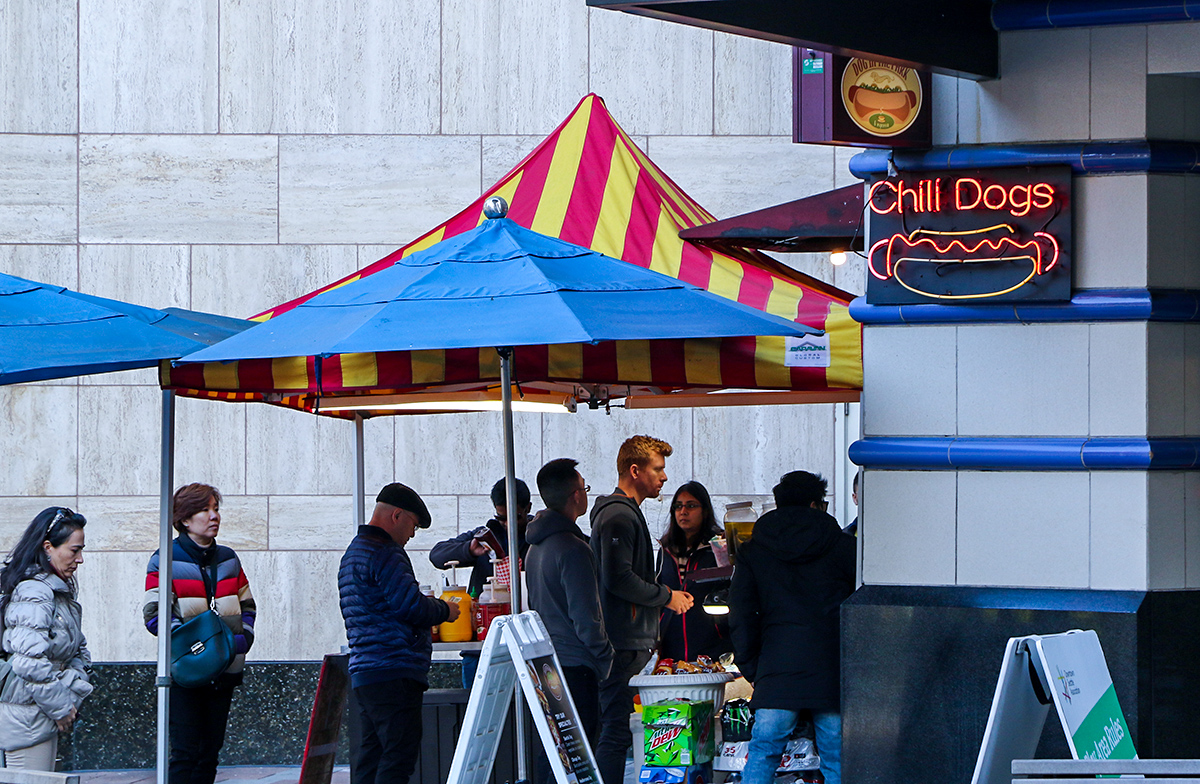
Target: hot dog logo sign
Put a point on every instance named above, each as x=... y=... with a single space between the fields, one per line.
x=970 y=237
x=882 y=99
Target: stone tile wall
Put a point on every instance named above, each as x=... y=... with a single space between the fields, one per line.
x=228 y=156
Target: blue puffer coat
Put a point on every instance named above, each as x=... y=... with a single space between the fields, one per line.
x=387 y=618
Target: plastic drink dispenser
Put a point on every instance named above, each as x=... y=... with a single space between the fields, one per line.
x=493 y=602
x=459 y=630
x=739 y=524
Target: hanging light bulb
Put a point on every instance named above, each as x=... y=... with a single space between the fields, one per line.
x=837 y=258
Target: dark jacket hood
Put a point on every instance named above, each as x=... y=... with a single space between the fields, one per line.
x=547 y=523
x=617 y=497
x=797 y=534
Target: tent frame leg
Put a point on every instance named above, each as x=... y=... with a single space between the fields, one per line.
x=165 y=547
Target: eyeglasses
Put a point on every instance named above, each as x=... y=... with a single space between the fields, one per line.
x=692 y=505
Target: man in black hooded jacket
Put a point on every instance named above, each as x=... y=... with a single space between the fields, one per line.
x=791 y=579
x=630 y=592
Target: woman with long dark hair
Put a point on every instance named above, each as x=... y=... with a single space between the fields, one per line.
x=686 y=548
x=205 y=573
x=43 y=639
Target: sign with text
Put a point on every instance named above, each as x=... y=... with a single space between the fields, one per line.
x=970 y=237
x=860 y=102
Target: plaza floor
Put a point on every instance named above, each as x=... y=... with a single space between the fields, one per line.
x=232 y=775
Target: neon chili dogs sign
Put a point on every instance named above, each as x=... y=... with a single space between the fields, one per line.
x=990 y=235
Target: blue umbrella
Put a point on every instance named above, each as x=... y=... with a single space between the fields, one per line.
x=501 y=285
x=52 y=332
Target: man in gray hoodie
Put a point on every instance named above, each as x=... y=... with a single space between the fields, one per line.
x=560 y=575
x=630 y=593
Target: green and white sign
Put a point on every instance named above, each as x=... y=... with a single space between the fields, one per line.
x=1068 y=671
x=1085 y=696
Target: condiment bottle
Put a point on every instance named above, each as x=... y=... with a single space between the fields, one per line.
x=459 y=630
x=427 y=590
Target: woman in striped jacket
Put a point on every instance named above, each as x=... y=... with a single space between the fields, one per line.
x=202 y=569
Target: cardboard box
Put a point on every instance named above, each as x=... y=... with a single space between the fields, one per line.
x=692 y=774
x=678 y=733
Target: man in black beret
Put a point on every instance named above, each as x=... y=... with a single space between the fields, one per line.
x=388 y=624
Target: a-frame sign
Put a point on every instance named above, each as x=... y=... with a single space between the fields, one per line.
x=518 y=648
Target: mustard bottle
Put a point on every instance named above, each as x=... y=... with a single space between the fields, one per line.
x=462 y=629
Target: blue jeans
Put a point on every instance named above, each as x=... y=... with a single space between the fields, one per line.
x=772 y=726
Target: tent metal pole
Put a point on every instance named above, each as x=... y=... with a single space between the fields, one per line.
x=514 y=555
x=163 y=680
x=360 y=475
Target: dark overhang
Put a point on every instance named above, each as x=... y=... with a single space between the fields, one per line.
x=953 y=37
x=826 y=222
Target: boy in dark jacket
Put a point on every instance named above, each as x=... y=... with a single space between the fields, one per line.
x=560 y=572
x=388 y=624
x=630 y=593
x=791 y=579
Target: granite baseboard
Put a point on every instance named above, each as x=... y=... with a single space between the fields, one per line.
x=268 y=723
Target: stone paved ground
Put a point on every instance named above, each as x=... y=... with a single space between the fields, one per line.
x=240 y=775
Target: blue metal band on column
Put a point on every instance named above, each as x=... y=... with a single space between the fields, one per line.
x=1097 y=305
x=922 y=453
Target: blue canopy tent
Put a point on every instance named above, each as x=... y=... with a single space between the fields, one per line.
x=49 y=332
x=499 y=286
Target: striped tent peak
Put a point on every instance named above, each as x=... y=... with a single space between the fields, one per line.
x=587 y=183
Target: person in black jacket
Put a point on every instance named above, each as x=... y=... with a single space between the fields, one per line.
x=560 y=571
x=467 y=550
x=388 y=624
x=630 y=593
x=790 y=581
x=685 y=549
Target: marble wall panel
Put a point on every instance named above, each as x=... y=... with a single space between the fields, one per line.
x=1173 y=108
x=38 y=67
x=944 y=91
x=1191 y=506
x=1172 y=49
x=177 y=189
x=373 y=189
x=656 y=77
x=311 y=522
x=1117 y=532
x=745 y=449
x=210 y=443
x=296 y=453
x=1023 y=380
x=53 y=264
x=38 y=188
x=501 y=154
x=593 y=438
x=752 y=87
x=297 y=596
x=112 y=587
x=841 y=167
x=148 y=67
x=17 y=512
x=1118 y=394
x=1165 y=377
x=491 y=84
x=906 y=527
x=1002 y=541
x=124 y=523
x=243 y=521
x=1166 y=530
x=119 y=440
x=911 y=386
x=851 y=277
x=1024 y=105
x=242 y=281
x=449 y=454
x=369 y=254
x=731 y=175
x=1173 y=230
x=1118 y=82
x=156 y=276
x=476 y=510
x=39 y=429
x=289 y=66
x=968 y=112
x=1111 y=231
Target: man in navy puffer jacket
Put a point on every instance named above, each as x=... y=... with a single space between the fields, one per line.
x=388 y=624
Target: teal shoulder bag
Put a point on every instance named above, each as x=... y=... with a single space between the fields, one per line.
x=202 y=648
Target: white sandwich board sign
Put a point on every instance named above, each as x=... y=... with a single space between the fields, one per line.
x=1068 y=671
x=518 y=649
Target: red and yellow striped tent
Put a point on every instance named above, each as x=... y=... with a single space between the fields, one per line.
x=589 y=184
